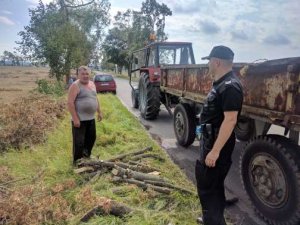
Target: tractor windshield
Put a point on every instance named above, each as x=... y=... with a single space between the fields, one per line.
x=174 y=54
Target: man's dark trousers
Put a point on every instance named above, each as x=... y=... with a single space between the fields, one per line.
x=83 y=139
x=210 y=187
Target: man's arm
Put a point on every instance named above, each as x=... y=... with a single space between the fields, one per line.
x=226 y=129
x=99 y=111
x=73 y=92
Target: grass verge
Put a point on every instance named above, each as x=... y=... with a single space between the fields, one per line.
x=48 y=192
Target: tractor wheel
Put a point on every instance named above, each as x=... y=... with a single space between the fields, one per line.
x=184 y=124
x=135 y=98
x=149 y=98
x=245 y=129
x=270 y=171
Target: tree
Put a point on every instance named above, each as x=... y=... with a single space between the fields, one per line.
x=155 y=15
x=132 y=30
x=64 y=34
x=11 y=58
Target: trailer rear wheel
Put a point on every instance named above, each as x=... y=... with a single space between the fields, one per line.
x=149 y=98
x=184 y=122
x=135 y=98
x=270 y=170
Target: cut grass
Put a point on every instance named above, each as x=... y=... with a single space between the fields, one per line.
x=119 y=132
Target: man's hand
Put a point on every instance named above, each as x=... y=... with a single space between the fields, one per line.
x=76 y=123
x=211 y=158
x=99 y=117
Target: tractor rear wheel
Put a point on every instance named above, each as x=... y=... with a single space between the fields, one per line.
x=149 y=98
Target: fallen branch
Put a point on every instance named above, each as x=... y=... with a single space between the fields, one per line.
x=122 y=156
x=147 y=155
x=127 y=173
x=164 y=184
x=138 y=167
x=109 y=207
x=147 y=167
x=143 y=185
x=84 y=169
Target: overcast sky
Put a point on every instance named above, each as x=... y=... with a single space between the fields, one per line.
x=254 y=29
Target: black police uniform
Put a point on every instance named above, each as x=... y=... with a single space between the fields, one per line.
x=226 y=95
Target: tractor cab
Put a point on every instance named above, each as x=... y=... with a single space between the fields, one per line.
x=161 y=53
x=145 y=64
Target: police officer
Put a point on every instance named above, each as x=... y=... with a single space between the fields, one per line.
x=218 y=119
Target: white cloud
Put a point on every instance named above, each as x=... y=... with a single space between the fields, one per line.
x=6 y=21
x=6 y=12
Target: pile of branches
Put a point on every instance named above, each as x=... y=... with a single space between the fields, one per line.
x=25 y=121
x=126 y=168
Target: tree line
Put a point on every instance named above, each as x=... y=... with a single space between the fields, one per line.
x=65 y=34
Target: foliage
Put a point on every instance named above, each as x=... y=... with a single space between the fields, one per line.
x=10 y=58
x=55 y=88
x=71 y=196
x=26 y=121
x=64 y=34
x=132 y=30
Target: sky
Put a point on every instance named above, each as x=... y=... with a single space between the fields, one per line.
x=253 y=29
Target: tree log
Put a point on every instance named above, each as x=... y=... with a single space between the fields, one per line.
x=109 y=207
x=122 y=156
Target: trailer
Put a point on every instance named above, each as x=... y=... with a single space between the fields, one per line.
x=270 y=164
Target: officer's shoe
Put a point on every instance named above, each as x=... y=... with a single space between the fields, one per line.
x=200 y=220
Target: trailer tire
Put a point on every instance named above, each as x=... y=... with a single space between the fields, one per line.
x=135 y=98
x=270 y=173
x=245 y=129
x=184 y=122
x=149 y=98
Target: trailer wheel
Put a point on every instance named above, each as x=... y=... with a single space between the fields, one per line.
x=184 y=124
x=149 y=98
x=270 y=171
x=245 y=129
x=135 y=98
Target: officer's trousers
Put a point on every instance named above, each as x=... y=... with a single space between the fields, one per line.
x=210 y=187
x=210 y=181
x=83 y=139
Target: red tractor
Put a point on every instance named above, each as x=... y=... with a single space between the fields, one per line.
x=146 y=63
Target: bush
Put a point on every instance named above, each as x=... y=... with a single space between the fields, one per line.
x=25 y=121
x=55 y=88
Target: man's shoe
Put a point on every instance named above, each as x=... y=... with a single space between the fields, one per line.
x=200 y=220
x=231 y=201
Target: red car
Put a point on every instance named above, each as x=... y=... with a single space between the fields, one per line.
x=105 y=83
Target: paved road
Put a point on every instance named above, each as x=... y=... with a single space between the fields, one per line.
x=162 y=131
